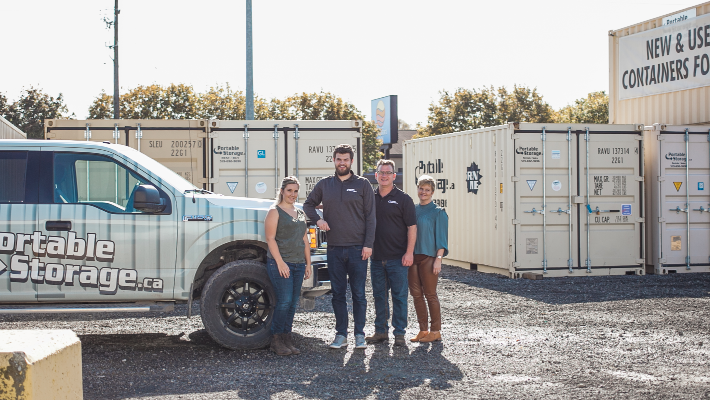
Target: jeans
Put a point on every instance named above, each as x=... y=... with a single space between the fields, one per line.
x=288 y=292
x=346 y=262
x=389 y=275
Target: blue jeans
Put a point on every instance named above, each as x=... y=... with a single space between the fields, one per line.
x=288 y=292
x=389 y=275
x=346 y=262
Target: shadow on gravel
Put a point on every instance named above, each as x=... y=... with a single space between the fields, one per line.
x=119 y=366
x=571 y=290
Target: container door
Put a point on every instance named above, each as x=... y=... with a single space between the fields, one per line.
x=179 y=145
x=18 y=223
x=612 y=187
x=98 y=247
x=545 y=233
x=685 y=200
x=248 y=164
x=310 y=154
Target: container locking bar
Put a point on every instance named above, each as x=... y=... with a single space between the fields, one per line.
x=589 y=260
x=139 y=135
x=598 y=211
x=246 y=160
x=534 y=211
x=116 y=133
x=687 y=201
x=544 y=203
x=87 y=132
x=276 y=156
x=296 y=136
x=570 y=263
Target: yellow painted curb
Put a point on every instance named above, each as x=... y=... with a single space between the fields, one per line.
x=40 y=364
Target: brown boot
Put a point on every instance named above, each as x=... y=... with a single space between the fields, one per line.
x=419 y=336
x=278 y=347
x=288 y=342
x=377 y=337
x=431 y=337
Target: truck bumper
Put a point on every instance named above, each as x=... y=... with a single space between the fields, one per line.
x=319 y=282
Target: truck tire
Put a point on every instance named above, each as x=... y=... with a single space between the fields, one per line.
x=237 y=305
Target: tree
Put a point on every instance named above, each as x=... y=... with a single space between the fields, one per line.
x=402 y=125
x=594 y=109
x=221 y=102
x=467 y=109
x=31 y=109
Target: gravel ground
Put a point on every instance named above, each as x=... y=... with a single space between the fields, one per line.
x=634 y=337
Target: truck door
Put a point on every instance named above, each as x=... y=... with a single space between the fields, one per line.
x=98 y=247
x=545 y=164
x=18 y=222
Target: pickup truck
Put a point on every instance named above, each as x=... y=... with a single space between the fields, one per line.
x=100 y=227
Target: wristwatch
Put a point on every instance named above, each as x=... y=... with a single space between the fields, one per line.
x=439 y=257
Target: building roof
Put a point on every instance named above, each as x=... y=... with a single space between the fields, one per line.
x=403 y=135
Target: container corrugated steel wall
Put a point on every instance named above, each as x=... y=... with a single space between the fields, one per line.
x=10 y=131
x=180 y=145
x=683 y=107
x=489 y=181
x=678 y=198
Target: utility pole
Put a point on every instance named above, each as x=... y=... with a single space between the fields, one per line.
x=116 y=110
x=250 y=67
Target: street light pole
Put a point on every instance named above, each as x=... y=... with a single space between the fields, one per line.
x=116 y=110
x=250 y=68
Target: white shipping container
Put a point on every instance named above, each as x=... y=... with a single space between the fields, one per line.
x=678 y=198
x=519 y=197
x=10 y=131
x=250 y=158
x=233 y=158
x=643 y=58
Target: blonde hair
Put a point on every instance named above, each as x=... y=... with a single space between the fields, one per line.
x=427 y=180
x=289 y=180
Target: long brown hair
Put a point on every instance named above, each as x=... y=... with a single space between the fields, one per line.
x=286 y=181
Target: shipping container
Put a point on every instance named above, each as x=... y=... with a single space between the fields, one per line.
x=10 y=131
x=564 y=200
x=233 y=158
x=250 y=158
x=644 y=59
x=678 y=202
x=180 y=145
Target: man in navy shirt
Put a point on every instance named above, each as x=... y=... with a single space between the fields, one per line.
x=349 y=219
x=393 y=253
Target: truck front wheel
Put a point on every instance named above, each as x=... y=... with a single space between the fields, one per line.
x=237 y=305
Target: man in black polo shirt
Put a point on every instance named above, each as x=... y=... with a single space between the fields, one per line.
x=393 y=252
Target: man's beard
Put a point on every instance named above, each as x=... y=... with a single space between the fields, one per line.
x=347 y=172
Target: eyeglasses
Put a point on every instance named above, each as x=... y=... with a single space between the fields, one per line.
x=385 y=172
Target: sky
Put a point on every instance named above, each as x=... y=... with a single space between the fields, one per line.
x=359 y=50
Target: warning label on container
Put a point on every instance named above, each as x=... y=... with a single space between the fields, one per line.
x=675 y=243
x=531 y=246
x=609 y=185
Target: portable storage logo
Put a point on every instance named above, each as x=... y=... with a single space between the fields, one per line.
x=108 y=280
x=473 y=178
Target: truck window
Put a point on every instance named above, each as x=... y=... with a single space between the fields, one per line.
x=96 y=180
x=13 y=165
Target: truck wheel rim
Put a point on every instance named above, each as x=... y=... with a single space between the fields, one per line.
x=245 y=307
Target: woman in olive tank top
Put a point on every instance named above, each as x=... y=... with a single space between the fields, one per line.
x=288 y=262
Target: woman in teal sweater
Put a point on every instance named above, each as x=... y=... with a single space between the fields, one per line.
x=430 y=248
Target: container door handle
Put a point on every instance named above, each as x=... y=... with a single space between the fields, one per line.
x=58 y=226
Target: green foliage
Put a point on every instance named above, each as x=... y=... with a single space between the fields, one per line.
x=31 y=109
x=467 y=109
x=594 y=109
x=221 y=102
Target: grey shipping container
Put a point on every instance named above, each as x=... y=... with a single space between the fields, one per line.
x=678 y=198
x=564 y=200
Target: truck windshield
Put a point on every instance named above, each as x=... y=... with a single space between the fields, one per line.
x=166 y=174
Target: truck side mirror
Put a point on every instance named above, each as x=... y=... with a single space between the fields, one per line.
x=147 y=199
